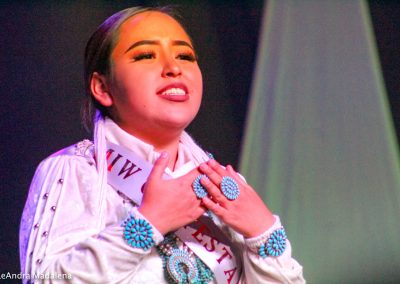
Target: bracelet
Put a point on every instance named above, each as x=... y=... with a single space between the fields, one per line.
x=138 y=233
x=275 y=244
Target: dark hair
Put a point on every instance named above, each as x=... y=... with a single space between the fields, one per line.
x=98 y=56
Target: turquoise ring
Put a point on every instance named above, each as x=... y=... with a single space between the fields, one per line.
x=199 y=190
x=230 y=188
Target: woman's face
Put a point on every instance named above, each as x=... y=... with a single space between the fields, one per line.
x=157 y=84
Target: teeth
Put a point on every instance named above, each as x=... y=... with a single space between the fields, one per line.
x=174 y=92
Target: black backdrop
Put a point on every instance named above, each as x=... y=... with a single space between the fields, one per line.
x=41 y=83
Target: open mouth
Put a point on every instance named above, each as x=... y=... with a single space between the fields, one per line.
x=174 y=93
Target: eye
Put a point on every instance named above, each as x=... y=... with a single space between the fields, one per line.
x=187 y=56
x=143 y=56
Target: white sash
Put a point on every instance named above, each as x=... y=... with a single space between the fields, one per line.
x=127 y=172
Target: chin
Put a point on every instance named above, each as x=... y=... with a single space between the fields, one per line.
x=177 y=124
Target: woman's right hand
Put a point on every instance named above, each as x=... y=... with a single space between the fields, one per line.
x=170 y=204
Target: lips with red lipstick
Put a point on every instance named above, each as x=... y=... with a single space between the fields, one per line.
x=174 y=92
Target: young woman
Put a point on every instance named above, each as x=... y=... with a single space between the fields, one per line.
x=144 y=203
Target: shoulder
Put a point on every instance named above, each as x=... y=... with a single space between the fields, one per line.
x=82 y=151
x=64 y=175
x=77 y=156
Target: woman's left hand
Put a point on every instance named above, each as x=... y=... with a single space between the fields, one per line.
x=247 y=214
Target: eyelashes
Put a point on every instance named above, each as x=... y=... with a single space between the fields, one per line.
x=187 y=56
x=143 y=56
x=147 y=55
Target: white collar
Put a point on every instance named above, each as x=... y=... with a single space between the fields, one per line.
x=117 y=135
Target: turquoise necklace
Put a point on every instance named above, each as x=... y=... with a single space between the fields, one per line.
x=181 y=266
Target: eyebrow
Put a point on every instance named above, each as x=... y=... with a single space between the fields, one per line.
x=157 y=42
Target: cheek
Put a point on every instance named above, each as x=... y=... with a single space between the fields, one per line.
x=197 y=82
x=200 y=86
x=200 y=81
x=133 y=86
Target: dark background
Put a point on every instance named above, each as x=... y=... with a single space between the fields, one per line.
x=41 y=82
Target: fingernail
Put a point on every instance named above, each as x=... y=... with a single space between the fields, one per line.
x=205 y=179
x=164 y=155
x=203 y=167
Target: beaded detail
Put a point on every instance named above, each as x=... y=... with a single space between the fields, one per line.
x=275 y=245
x=230 y=188
x=84 y=148
x=199 y=190
x=138 y=233
x=181 y=266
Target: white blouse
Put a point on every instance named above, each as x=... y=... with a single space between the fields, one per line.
x=71 y=229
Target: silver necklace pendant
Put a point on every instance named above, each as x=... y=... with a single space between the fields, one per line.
x=181 y=267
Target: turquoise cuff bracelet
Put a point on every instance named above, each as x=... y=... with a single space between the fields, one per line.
x=275 y=245
x=138 y=233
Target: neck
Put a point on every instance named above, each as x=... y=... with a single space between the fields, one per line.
x=163 y=141
x=172 y=150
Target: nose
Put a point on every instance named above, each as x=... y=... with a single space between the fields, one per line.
x=171 y=68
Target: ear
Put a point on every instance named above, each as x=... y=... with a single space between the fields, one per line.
x=100 y=89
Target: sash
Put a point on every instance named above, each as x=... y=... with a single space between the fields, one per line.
x=127 y=172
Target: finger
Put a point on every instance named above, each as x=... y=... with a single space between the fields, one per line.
x=236 y=176
x=213 y=207
x=193 y=173
x=213 y=191
x=211 y=174
x=200 y=211
x=217 y=167
x=159 y=166
x=230 y=169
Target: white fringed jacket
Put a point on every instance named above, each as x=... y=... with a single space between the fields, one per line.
x=71 y=226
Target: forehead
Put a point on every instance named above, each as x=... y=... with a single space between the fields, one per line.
x=151 y=25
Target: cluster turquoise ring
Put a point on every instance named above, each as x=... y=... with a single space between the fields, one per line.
x=199 y=190
x=230 y=188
